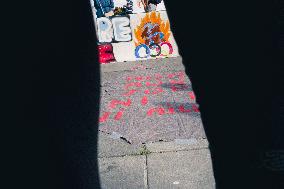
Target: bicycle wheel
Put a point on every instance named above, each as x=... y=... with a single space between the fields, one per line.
x=170 y=51
x=155 y=50
x=137 y=51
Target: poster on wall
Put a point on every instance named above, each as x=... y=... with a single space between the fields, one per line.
x=130 y=30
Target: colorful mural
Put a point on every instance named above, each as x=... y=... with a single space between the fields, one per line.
x=130 y=30
x=114 y=29
x=152 y=35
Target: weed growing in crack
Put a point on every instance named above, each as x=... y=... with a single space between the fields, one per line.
x=144 y=151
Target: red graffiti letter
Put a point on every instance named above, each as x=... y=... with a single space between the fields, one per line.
x=183 y=110
x=114 y=103
x=104 y=117
x=171 y=109
x=148 y=84
x=119 y=114
x=148 y=77
x=128 y=78
x=179 y=83
x=154 y=91
x=129 y=93
x=144 y=100
x=191 y=95
x=136 y=84
x=180 y=78
x=195 y=108
x=139 y=78
x=158 y=76
x=159 y=110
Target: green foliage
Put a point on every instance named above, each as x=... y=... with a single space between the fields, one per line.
x=144 y=151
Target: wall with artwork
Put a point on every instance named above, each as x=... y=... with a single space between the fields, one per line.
x=130 y=30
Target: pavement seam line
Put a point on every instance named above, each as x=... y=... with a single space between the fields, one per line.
x=185 y=150
x=146 y=173
x=156 y=152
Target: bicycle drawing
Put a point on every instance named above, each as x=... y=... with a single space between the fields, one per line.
x=153 y=40
x=154 y=50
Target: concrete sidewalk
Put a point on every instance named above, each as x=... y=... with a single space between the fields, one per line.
x=151 y=134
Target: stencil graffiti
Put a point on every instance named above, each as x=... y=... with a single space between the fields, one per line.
x=150 y=86
x=112 y=105
x=115 y=29
x=152 y=37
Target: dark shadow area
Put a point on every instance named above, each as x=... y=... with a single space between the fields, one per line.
x=58 y=148
x=231 y=56
x=74 y=95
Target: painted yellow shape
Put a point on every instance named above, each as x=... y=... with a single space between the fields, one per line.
x=154 y=18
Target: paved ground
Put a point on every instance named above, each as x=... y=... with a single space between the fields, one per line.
x=151 y=133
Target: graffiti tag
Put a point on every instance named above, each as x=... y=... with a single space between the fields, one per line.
x=114 y=29
x=150 y=86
